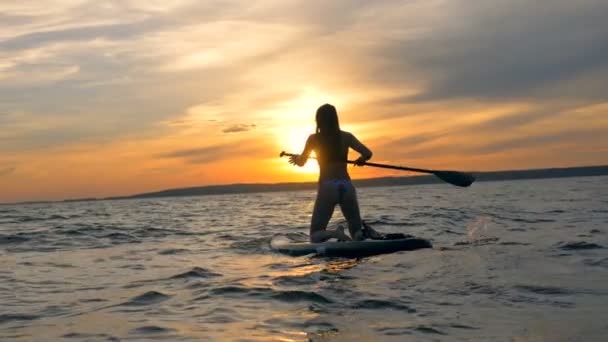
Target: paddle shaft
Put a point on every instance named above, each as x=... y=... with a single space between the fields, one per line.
x=453 y=177
x=384 y=166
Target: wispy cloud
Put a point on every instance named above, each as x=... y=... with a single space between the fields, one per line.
x=217 y=152
x=117 y=31
x=7 y=171
x=237 y=128
x=200 y=155
x=541 y=140
x=527 y=51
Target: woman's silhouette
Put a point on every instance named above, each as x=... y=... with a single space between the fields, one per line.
x=335 y=187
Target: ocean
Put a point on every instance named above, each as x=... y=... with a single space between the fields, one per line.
x=512 y=261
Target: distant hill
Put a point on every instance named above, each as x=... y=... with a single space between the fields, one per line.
x=585 y=171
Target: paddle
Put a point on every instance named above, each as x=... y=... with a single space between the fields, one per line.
x=453 y=177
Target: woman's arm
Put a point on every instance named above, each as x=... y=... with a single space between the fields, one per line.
x=301 y=159
x=355 y=144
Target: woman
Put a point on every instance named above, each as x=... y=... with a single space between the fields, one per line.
x=335 y=187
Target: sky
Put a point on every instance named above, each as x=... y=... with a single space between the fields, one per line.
x=106 y=98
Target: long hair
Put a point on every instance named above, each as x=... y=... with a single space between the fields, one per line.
x=328 y=131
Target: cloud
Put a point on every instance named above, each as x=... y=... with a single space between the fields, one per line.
x=110 y=70
x=239 y=128
x=118 y=31
x=39 y=138
x=506 y=122
x=518 y=119
x=200 y=155
x=39 y=74
x=540 y=140
x=414 y=140
x=9 y=20
x=7 y=171
x=538 y=127
x=217 y=152
x=503 y=49
x=27 y=132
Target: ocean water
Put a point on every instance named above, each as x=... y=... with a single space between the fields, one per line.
x=512 y=261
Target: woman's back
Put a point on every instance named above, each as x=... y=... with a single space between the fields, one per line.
x=332 y=154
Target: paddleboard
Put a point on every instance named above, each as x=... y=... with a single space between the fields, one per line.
x=349 y=249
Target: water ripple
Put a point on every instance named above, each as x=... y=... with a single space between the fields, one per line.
x=300 y=296
x=17 y=317
x=151 y=329
x=578 y=245
x=148 y=298
x=196 y=272
x=383 y=304
x=91 y=337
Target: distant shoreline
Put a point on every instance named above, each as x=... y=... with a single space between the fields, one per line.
x=246 y=188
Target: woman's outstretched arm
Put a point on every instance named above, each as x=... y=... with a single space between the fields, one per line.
x=301 y=159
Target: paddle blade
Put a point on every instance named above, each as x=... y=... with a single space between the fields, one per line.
x=455 y=177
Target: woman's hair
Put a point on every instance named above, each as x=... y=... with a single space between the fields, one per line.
x=328 y=132
x=327 y=120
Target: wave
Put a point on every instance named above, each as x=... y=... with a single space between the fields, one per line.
x=196 y=273
x=602 y=262
x=173 y=251
x=266 y=293
x=578 y=245
x=12 y=239
x=300 y=280
x=84 y=235
x=151 y=329
x=380 y=304
x=148 y=298
x=428 y=330
x=399 y=331
x=300 y=296
x=27 y=219
x=544 y=290
x=514 y=243
x=4 y=318
x=258 y=245
x=90 y=337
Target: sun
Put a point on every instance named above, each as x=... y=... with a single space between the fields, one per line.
x=293 y=141
x=294 y=122
x=311 y=167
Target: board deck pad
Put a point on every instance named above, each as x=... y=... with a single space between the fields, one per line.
x=283 y=244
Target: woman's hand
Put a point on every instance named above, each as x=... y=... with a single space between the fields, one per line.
x=293 y=160
x=360 y=161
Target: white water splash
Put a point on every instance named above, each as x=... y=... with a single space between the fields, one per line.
x=478 y=230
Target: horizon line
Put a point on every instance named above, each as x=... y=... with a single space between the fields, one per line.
x=430 y=179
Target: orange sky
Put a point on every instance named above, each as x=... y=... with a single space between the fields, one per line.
x=133 y=96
